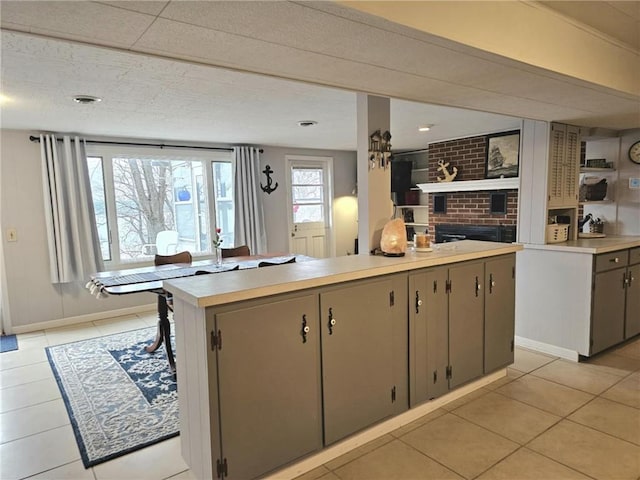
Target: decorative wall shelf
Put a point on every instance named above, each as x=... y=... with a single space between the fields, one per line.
x=471 y=185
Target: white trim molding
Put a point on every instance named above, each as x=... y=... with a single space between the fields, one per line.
x=90 y=317
x=471 y=185
x=547 y=348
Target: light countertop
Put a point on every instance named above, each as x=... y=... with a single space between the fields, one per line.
x=589 y=245
x=228 y=287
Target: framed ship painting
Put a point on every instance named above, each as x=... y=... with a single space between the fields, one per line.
x=502 y=155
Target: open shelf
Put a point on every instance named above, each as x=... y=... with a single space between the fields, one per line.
x=412 y=206
x=596 y=169
x=471 y=185
x=593 y=202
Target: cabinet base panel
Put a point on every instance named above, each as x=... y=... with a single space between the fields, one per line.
x=387 y=426
x=547 y=348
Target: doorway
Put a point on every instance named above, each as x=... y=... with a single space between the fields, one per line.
x=309 y=193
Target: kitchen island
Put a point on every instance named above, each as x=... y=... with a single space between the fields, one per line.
x=290 y=362
x=580 y=297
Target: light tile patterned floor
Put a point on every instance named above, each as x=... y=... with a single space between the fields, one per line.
x=548 y=419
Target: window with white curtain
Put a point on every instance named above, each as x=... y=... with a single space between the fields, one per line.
x=150 y=201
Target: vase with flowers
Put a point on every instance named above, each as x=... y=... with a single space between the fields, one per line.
x=217 y=249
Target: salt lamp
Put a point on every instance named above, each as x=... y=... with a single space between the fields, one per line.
x=394 y=238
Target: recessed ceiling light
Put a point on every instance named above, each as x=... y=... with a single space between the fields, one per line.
x=86 y=99
x=307 y=123
x=424 y=128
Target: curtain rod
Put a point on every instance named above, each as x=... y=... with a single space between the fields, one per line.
x=159 y=145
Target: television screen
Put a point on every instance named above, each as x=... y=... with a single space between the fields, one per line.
x=401 y=175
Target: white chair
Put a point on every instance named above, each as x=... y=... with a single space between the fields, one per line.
x=167 y=242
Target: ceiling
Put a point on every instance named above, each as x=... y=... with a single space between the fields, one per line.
x=156 y=98
x=152 y=63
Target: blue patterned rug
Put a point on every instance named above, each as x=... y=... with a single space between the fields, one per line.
x=8 y=343
x=119 y=398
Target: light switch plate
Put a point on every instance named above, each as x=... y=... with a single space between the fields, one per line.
x=634 y=183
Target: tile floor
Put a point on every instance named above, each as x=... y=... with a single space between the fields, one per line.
x=548 y=419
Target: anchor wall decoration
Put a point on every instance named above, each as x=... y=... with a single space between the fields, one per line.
x=268 y=189
x=444 y=168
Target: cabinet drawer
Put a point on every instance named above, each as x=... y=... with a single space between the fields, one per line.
x=607 y=261
x=634 y=256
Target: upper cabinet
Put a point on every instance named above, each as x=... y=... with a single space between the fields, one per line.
x=564 y=166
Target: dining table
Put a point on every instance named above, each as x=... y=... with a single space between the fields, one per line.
x=150 y=279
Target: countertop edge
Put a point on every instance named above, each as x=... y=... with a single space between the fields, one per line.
x=204 y=291
x=589 y=245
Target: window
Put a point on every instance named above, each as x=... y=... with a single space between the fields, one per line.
x=139 y=192
x=307 y=193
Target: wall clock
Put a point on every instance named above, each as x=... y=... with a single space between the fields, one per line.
x=634 y=152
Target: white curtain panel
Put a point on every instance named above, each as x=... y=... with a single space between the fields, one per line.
x=74 y=248
x=249 y=217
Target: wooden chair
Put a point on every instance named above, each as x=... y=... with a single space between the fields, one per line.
x=165 y=303
x=182 y=257
x=265 y=263
x=241 y=251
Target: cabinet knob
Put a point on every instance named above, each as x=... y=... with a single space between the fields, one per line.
x=419 y=303
x=332 y=321
x=615 y=260
x=305 y=329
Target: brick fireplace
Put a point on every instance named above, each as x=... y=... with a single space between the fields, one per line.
x=468 y=156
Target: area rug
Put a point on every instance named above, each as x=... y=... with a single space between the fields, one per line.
x=119 y=397
x=8 y=343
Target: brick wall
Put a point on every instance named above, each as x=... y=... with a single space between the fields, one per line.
x=468 y=156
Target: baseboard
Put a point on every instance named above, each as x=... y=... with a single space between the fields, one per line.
x=358 y=439
x=89 y=317
x=547 y=348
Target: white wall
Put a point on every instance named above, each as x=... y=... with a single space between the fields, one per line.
x=345 y=215
x=28 y=296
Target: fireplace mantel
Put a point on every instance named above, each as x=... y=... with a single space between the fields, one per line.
x=471 y=185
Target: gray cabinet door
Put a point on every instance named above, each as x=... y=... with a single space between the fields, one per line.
x=632 y=325
x=269 y=385
x=357 y=369
x=607 y=309
x=466 y=322
x=499 y=308
x=429 y=327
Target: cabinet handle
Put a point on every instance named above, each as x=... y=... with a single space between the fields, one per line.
x=478 y=286
x=305 y=329
x=614 y=260
x=492 y=283
x=418 y=301
x=332 y=322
